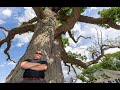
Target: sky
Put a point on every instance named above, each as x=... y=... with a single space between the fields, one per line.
x=11 y=17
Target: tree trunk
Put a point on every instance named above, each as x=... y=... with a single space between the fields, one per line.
x=43 y=39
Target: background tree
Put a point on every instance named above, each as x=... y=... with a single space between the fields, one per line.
x=110 y=62
x=97 y=50
x=51 y=23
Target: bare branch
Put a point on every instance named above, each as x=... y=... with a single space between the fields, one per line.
x=4 y=29
x=68 y=67
x=72 y=37
x=6 y=51
x=101 y=37
x=103 y=47
x=2 y=41
x=108 y=46
x=98 y=37
x=75 y=72
x=74 y=69
x=19 y=30
x=83 y=37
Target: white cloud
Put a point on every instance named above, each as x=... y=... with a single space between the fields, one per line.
x=7 y=12
x=89 y=30
x=23 y=39
x=1 y=49
x=28 y=14
x=6 y=64
x=68 y=78
x=79 y=81
x=11 y=63
x=5 y=33
x=68 y=48
x=2 y=80
x=93 y=8
x=20 y=44
x=112 y=50
x=111 y=33
x=1 y=21
x=2 y=65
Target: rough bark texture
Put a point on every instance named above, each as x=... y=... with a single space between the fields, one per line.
x=42 y=39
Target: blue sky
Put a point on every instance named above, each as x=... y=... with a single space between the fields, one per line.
x=11 y=17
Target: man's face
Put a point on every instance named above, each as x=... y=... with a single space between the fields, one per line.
x=37 y=54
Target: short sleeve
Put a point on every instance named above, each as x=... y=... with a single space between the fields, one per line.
x=44 y=62
x=27 y=60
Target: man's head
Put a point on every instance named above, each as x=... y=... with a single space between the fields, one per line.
x=37 y=54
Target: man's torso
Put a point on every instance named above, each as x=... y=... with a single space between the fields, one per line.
x=32 y=73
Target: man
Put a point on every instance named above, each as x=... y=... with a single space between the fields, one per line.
x=34 y=69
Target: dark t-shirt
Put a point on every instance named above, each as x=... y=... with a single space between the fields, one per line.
x=33 y=73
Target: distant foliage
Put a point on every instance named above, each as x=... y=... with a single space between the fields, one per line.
x=78 y=56
x=111 y=62
x=112 y=13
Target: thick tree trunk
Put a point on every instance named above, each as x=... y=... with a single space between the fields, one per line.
x=42 y=40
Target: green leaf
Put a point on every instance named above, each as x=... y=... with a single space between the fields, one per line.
x=65 y=42
x=112 y=13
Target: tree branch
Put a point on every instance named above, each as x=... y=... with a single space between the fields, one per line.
x=68 y=25
x=68 y=59
x=18 y=30
x=39 y=12
x=72 y=37
x=30 y=21
x=68 y=67
x=108 y=46
x=75 y=72
x=4 y=29
x=97 y=21
x=6 y=51
x=11 y=34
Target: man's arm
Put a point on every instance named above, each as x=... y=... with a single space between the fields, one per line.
x=28 y=65
x=39 y=67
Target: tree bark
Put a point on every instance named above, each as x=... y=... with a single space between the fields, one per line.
x=43 y=39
